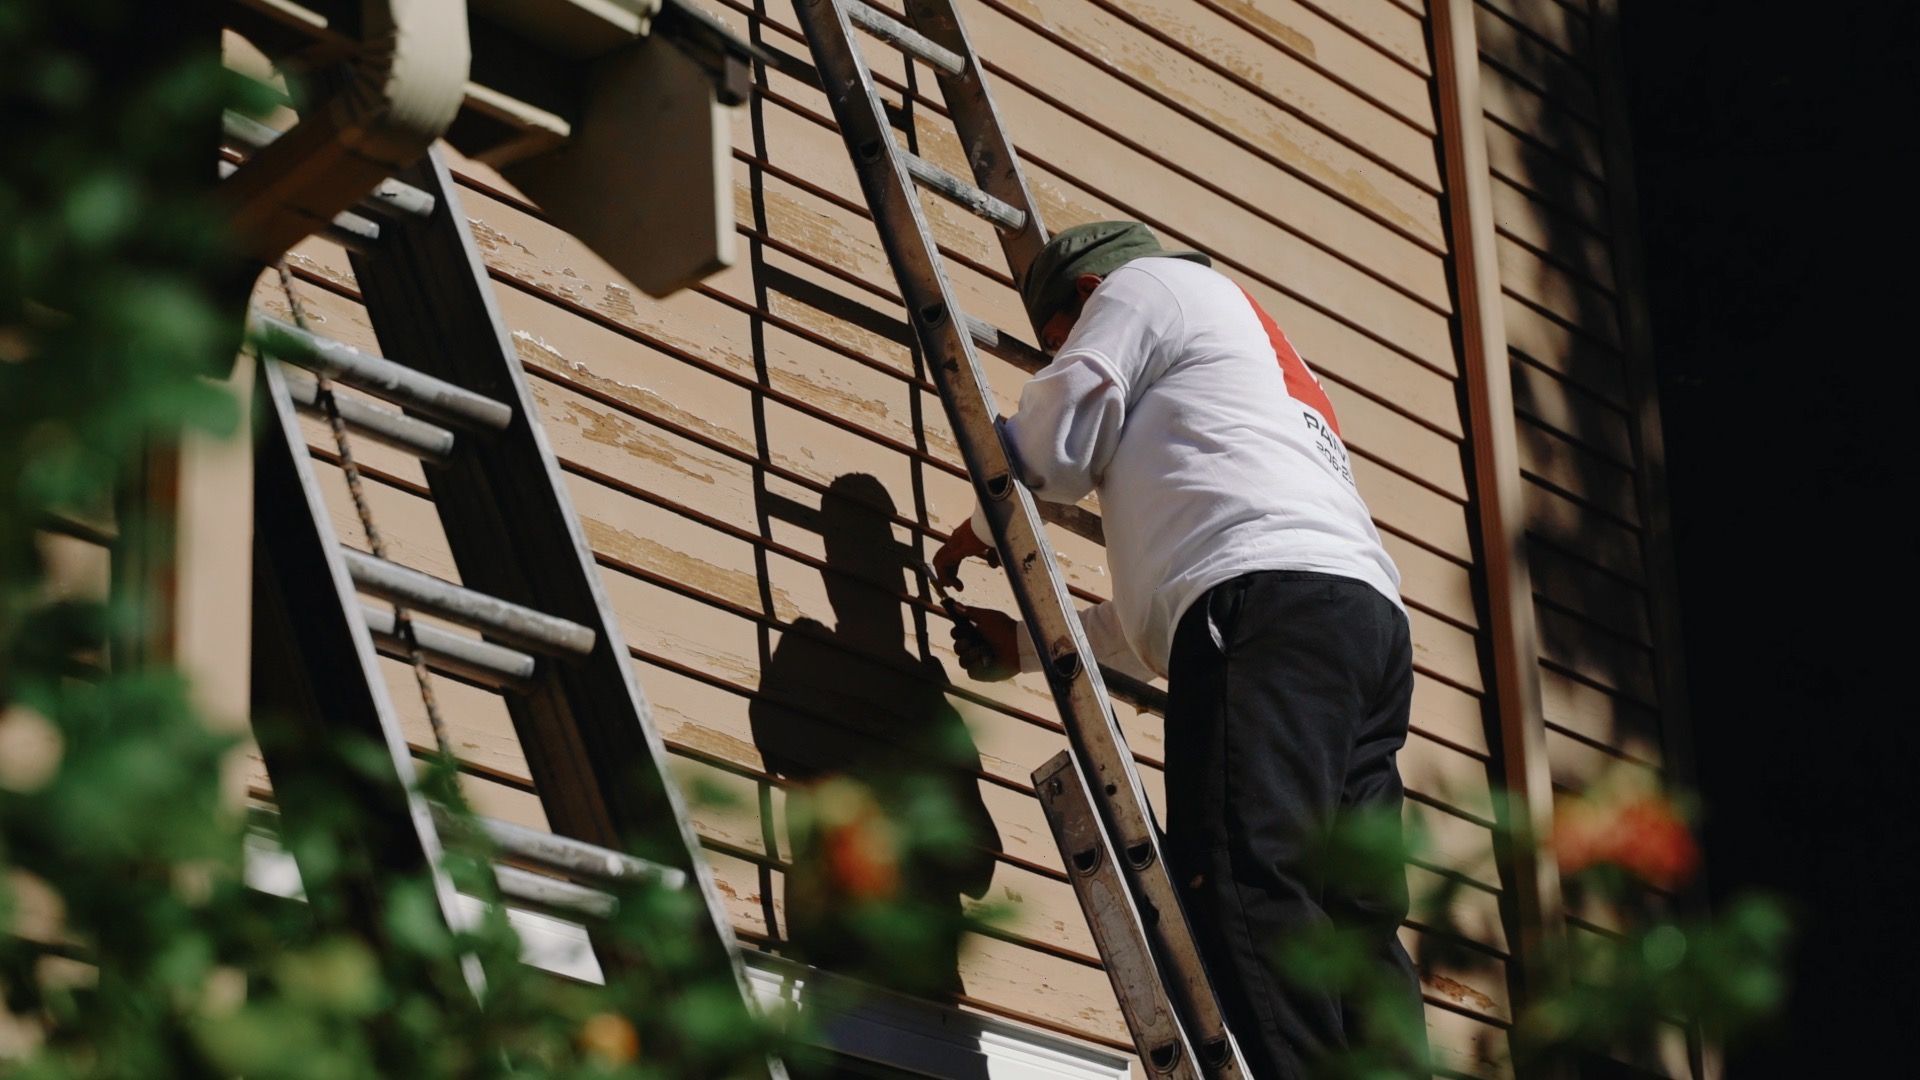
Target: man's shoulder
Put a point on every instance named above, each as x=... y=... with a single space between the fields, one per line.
x=1206 y=297
x=1167 y=269
x=1184 y=280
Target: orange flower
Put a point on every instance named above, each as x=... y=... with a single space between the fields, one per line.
x=1641 y=832
x=858 y=846
x=862 y=859
x=610 y=1038
x=1655 y=843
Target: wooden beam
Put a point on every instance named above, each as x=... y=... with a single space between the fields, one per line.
x=1497 y=483
x=193 y=580
x=1649 y=442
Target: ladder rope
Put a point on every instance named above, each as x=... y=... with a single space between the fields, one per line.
x=403 y=619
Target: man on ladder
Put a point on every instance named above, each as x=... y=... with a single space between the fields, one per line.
x=1246 y=569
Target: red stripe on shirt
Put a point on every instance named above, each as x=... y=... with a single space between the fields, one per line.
x=1302 y=385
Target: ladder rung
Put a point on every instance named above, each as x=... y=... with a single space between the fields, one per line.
x=429 y=442
x=377 y=375
x=1004 y=345
x=489 y=614
x=391 y=195
x=401 y=199
x=905 y=38
x=523 y=885
x=554 y=894
x=570 y=856
x=491 y=663
x=356 y=232
x=963 y=194
x=352 y=231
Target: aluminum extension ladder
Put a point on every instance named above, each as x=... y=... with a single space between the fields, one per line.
x=1091 y=793
x=549 y=641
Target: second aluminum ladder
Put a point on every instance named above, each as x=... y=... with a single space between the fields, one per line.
x=544 y=633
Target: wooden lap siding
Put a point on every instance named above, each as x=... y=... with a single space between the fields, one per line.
x=1292 y=139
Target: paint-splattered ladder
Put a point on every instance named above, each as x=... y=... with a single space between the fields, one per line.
x=1091 y=793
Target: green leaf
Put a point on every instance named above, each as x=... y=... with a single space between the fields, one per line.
x=414 y=920
x=340 y=974
x=100 y=207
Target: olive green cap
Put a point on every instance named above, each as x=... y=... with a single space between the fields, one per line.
x=1098 y=247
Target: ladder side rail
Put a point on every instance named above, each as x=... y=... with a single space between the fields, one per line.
x=1045 y=604
x=598 y=762
x=941 y=329
x=990 y=153
x=996 y=164
x=1105 y=898
x=307 y=620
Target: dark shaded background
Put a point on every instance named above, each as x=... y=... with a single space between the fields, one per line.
x=1777 y=146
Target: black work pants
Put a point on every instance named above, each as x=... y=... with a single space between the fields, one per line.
x=1288 y=700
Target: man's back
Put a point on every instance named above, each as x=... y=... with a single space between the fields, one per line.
x=1225 y=459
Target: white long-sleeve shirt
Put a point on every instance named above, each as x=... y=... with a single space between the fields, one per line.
x=1215 y=451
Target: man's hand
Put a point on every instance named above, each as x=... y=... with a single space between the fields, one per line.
x=961 y=546
x=988 y=643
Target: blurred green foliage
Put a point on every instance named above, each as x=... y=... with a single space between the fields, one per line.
x=1634 y=971
x=130 y=944
x=871 y=890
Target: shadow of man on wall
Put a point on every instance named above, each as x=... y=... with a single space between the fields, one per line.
x=885 y=821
